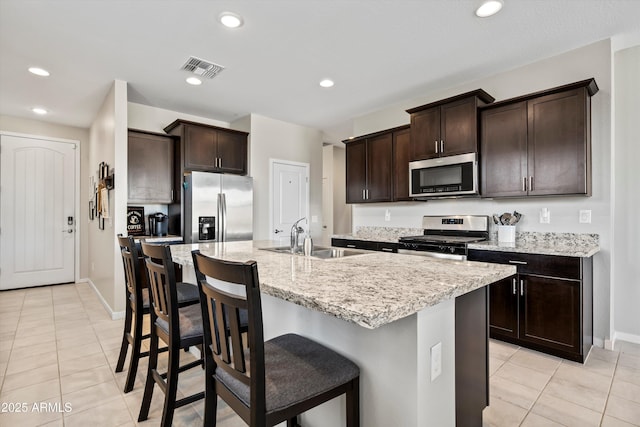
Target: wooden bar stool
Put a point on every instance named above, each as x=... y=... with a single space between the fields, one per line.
x=264 y=382
x=136 y=280
x=178 y=327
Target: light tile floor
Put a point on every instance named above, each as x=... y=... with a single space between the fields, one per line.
x=59 y=347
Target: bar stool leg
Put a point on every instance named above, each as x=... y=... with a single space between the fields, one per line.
x=172 y=385
x=153 y=365
x=125 y=341
x=135 y=354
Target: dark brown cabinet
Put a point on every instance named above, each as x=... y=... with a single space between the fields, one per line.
x=446 y=127
x=150 y=167
x=369 y=164
x=401 y=154
x=365 y=244
x=210 y=148
x=377 y=166
x=538 y=144
x=547 y=306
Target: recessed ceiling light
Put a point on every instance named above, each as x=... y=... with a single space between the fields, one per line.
x=326 y=83
x=489 y=8
x=194 y=81
x=40 y=111
x=39 y=71
x=231 y=20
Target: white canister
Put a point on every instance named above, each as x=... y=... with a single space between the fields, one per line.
x=506 y=233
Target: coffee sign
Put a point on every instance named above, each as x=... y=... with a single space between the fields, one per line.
x=135 y=221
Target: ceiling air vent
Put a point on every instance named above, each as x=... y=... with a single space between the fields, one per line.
x=202 y=68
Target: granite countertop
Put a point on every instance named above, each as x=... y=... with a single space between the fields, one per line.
x=371 y=289
x=560 y=244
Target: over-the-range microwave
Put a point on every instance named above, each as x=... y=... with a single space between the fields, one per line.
x=450 y=176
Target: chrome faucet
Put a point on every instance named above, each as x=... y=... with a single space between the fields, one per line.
x=295 y=235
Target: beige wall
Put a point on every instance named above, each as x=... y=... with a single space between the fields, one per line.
x=52 y=130
x=107 y=143
x=589 y=61
x=155 y=119
x=625 y=265
x=275 y=139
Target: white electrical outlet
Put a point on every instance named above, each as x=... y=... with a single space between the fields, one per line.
x=585 y=216
x=387 y=215
x=545 y=216
x=436 y=361
x=314 y=218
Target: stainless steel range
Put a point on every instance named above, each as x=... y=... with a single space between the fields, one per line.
x=446 y=236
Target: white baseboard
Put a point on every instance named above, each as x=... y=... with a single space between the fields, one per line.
x=115 y=315
x=623 y=336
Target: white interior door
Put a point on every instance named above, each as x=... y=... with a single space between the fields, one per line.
x=37 y=205
x=290 y=197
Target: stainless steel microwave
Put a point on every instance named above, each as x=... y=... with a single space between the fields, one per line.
x=449 y=176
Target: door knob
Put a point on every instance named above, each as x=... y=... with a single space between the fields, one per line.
x=278 y=231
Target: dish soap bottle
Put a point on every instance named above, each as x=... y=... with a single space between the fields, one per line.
x=308 y=245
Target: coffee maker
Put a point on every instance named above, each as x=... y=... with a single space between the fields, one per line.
x=158 y=224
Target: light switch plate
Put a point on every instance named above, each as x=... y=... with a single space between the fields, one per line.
x=585 y=216
x=436 y=361
x=387 y=215
x=545 y=216
x=314 y=218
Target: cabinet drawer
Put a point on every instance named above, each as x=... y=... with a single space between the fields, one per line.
x=355 y=244
x=542 y=265
x=387 y=247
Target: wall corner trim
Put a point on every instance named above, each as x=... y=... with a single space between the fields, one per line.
x=115 y=315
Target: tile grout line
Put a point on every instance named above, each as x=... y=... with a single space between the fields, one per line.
x=4 y=376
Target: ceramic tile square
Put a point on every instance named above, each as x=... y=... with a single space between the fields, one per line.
x=570 y=391
x=109 y=414
x=501 y=413
x=34 y=376
x=623 y=409
x=565 y=412
x=72 y=366
x=33 y=340
x=608 y=421
x=629 y=375
x=84 y=379
x=628 y=348
x=604 y=354
x=78 y=351
x=535 y=420
x=583 y=377
x=595 y=365
x=37 y=349
x=535 y=360
x=92 y=396
x=502 y=350
x=33 y=393
x=625 y=390
x=17 y=365
x=494 y=364
x=525 y=376
x=36 y=330
x=512 y=392
x=629 y=360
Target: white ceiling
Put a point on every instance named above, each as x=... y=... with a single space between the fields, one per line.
x=378 y=52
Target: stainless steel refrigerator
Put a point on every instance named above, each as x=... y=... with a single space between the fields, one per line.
x=217 y=207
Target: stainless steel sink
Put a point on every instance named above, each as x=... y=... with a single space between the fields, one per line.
x=321 y=252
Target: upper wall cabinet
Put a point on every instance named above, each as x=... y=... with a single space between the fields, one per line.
x=150 y=167
x=446 y=127
x=538 y=144
x=210 y=148
x=378 y=166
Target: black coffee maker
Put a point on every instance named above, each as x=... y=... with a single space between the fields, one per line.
x=158 y=224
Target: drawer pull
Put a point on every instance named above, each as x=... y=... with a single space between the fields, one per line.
x=521 y=287
x=517 y=262
x=387 y=250
x=351 y=246
x=513 y=281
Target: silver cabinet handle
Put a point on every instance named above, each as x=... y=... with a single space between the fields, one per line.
x=517 y=262
x=513 y=281
x=441 y=146
x=524 y=183
x=387 y=250
x=367 y=194
x=351 y=246
x=530 y=183
x=436 y=143
x=363 y=195
x=521 y=287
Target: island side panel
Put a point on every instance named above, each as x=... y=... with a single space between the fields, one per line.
x=472 y=357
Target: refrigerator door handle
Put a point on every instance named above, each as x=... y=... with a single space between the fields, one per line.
x=224 y=217
x=218 y=237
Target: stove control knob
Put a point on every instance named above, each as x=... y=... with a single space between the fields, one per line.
x=452 y=249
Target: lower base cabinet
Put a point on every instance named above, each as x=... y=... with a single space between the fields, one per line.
x=547 y=306
x=365 y=244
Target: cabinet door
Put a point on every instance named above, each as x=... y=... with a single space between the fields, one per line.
x=503 y=308
x=401 y=147
x=380 y=168
x=503 y=148
x=550 y=312
x=559 y=158
x=356 y=171
x=150 y=168
x=200 y=148
x=458 y=127
x=232 y=152
x=425 y=134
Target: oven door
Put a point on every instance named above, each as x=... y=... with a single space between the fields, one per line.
x=444 y=177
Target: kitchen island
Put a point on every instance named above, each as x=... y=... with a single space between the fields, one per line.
x=387 y=313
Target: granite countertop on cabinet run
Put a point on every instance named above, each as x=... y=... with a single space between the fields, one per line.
x=380 y=234
x=560 y=244
x=371 y=289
